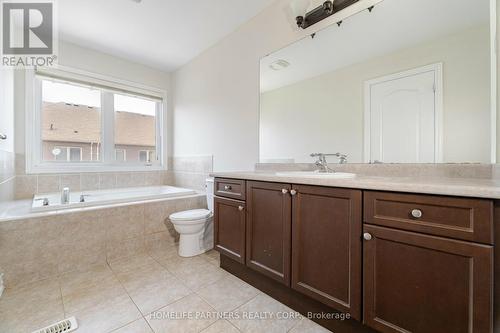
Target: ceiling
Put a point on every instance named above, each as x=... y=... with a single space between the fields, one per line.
x=393 y=25
x=163 y=34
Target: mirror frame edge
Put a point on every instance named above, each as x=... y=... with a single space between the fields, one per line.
x=494 y=79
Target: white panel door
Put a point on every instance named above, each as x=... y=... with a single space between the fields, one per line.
x=403 y=119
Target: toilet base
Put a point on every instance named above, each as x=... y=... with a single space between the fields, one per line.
x=189 y=245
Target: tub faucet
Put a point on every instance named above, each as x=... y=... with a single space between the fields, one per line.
x=65 y=196
x=83 y=196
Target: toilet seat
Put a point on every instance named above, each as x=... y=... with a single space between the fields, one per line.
x=193 y=215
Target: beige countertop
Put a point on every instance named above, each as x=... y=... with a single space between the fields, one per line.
x=464 y=187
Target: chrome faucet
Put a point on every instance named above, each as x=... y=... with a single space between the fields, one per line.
x=322 y=163
x=65 y=196
x=83 y=196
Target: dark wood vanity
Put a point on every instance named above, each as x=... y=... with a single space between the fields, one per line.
x=395 y=262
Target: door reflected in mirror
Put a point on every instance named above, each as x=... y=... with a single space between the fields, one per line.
x=409 y=82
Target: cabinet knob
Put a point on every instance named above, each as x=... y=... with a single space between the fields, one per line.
x=227 y=187
x=240 y=208
x=416 y=213
x=3 y=136
x=284 y=191
x=293 y=192
x=367 y=236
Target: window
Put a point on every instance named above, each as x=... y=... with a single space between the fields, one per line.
x=135 y=127
x=87 y=124
x=70 y=115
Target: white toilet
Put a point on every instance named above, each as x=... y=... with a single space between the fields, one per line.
x=196 y=226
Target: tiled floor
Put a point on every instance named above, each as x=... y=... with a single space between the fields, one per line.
x=154 y=292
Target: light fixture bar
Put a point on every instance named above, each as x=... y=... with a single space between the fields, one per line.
x=328 y=8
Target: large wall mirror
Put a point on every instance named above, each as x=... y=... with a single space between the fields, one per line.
x=410 y=82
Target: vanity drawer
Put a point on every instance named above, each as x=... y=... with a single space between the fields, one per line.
x=230 y=188
x=460 y=218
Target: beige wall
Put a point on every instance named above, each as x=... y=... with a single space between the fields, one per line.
x=325 y=113
x=216 y=96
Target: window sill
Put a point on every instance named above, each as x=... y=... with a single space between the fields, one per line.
x=56 y=168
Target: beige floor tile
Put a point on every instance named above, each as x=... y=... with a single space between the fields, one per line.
x=143 y=276
x=158 y=295
x=85 y=279
x=106 y=315
x=194 y=272
x=133 y=263
x=31 y=307
x=212 y=257
x=264 y=314
x=221 y=326
x=165 y=254
x=152 y=287
x=138 y=326
x=308 y=326
x=227 y=294
x=188 y=306
x=82 y=291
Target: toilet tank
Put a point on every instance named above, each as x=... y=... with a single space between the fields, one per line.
x=209 y=185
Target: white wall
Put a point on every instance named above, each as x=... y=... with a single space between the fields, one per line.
x=325 y=113
x=71 y=55
x=7 y=109
x=216 y=96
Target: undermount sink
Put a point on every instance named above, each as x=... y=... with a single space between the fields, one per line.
x=317 y=174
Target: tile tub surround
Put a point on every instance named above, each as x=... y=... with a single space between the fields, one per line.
x=463 y=187
x=47 y=246
x=28 y=185
x=131 y=295
x=190 y=171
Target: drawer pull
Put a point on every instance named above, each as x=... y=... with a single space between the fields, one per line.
x=367 y=236
x=284 y=191
x=293 y=192
x=416 y=213
x=240 y=208
x=228 y=188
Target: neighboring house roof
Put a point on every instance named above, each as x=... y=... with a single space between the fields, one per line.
x=81 y=123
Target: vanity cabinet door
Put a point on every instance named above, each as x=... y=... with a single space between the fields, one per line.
x=425 y=284
x=229 y=228
x=326 y=246
x=268 y=229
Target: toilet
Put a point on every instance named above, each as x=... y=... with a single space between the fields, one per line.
x=196 y=226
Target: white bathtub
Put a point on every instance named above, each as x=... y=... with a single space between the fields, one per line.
x=106 y=197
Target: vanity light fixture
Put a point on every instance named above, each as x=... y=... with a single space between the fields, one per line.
x=305 y=19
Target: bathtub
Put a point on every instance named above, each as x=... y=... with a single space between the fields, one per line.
x=52 y=201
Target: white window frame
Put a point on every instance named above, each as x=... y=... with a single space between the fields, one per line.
x=34 y=162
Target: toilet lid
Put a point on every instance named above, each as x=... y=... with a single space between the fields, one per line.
x=188 y=215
